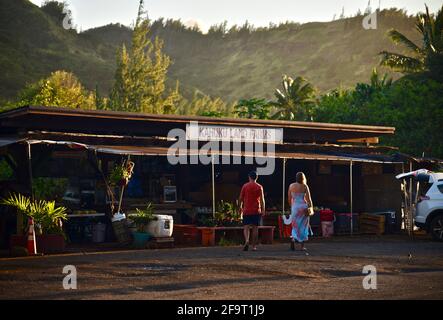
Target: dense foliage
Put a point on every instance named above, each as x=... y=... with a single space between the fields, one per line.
x=413 y=105
x=60 y=89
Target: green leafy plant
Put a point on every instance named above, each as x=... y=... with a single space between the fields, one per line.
x=253 y=109
x=48 y=218
x=49 y=188
x=121 y=173
x=426 y=55
x=6 y=172
x=207 y=222
x=228 y=214
x=295 y=101
x=143 y=217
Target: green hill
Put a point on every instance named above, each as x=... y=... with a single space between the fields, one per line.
x=240 y=64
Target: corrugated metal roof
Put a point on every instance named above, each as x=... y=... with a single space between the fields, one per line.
x=186 y=119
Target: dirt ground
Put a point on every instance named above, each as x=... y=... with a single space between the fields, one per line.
x=406 y=269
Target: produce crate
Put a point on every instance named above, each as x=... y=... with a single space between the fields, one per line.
x=372 y=224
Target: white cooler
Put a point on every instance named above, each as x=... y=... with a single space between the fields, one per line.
x=162 y=227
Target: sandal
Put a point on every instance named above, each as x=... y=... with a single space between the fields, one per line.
x=246 y=247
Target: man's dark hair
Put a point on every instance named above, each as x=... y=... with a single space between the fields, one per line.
x=252 y=175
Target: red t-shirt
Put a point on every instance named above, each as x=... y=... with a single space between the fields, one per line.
x=250 y=195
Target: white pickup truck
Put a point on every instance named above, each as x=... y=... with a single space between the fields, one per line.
x=429 y=208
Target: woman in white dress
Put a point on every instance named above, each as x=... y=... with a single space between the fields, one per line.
x=299 y=198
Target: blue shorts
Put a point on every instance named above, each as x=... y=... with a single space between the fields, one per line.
x=252 y=219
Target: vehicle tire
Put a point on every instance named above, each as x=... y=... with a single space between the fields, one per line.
x=437 y=227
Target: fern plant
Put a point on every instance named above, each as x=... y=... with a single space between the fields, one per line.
x=143 y=217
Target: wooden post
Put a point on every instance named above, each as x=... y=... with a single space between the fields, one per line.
x=29 y=156
x=410 y=211
x=123 y=189
x=20 y=218
x=213 y=186
x=284 y=186
x=351 y=196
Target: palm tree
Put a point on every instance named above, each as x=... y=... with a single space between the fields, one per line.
x=253 y=109
x=379 y=83
x=363 y=91
x=425 y=57
x=295 y=101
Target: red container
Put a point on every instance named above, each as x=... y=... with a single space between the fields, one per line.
x=208 y=236
x=285 y=231
x=49 y=243
x=187 y=235
x=326 y=215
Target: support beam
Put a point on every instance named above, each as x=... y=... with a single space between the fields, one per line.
x=213 y=186
x=284 y=186
x=410 y=213
x=29 y=157
x=372 y=140
x=351 y=201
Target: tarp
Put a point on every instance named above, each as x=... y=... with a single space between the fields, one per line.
x=8 y=141
x=164 y=151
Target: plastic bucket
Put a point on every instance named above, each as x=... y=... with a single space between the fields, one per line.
x=141 y=239
x=208 y=237
x=327 y=229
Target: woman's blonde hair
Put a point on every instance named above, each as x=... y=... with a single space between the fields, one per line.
x=300 y=178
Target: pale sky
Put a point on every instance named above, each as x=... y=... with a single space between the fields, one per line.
x=94 y=13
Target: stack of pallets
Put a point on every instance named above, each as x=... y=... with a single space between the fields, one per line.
x=372 y=224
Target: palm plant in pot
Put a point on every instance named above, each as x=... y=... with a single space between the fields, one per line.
x=48 y=220
x=142 y=219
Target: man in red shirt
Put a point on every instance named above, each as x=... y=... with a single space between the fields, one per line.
x=252 y=203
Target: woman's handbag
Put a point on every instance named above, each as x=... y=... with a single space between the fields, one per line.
x=310 y=211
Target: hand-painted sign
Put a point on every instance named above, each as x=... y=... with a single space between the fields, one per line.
x=196 y=131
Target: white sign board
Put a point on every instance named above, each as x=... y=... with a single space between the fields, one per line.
x=199 y=132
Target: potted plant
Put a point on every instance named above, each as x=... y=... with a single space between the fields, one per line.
x=228 y=214
x=48 y=220
x=142 y=219
x=121 y=174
